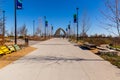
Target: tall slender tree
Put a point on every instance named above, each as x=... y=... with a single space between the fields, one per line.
x=85 y=24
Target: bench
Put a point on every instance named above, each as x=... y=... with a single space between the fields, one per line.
x=5 y=50
x=89 y=46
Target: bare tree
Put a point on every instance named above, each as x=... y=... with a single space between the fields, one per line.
x=112 y=16
x=85 y=24
x=23 y=31
x=1 y=22
x=38 y=31
x=1 y=27
x=11 y=33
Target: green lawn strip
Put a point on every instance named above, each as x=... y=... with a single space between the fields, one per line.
x=113 y=59
x=116 y=47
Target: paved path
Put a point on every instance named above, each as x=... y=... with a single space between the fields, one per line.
x=57 y=59
x=31 y=42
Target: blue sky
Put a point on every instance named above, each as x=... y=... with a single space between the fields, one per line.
x=57 y=12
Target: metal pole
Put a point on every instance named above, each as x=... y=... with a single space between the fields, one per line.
x=15 y=22
x=77 y=23
x=3 y=26
x=51 y=30
x=66 y=33
x=74 y=30
x=69 y=29
x=45 y=26
x=33 y=27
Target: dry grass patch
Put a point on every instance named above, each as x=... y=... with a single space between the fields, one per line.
x=9 y=58
x=94 y=51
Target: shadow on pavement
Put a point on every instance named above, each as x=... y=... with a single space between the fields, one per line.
x=82 y=47
x=54 y=59
x=54 y=44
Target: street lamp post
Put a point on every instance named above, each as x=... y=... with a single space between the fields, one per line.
x=3 y=26
x=15 y=1
x=45 y=26
x=69 y=29
x=77 y=22
x=33 y=27
x=51 y=30
x=66 y=32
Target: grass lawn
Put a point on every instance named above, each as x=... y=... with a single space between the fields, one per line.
x=113 y=59
x=116 y=47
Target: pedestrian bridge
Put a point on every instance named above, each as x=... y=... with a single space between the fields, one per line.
x=58 y=32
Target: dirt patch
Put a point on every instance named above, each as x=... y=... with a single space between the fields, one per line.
x=94 y=51
x=9 y=58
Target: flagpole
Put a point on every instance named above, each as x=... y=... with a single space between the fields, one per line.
x=15 y=21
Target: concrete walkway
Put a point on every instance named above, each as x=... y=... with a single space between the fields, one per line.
x=57 y=59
